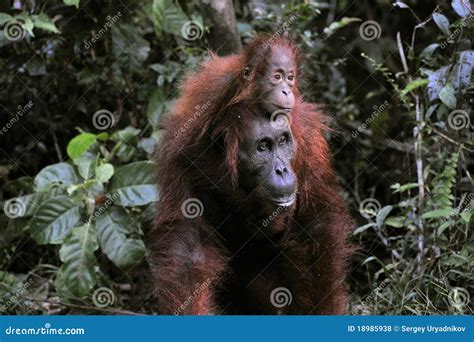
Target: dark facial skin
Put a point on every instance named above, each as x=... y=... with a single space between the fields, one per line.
x=265 y=163
x=278 y=81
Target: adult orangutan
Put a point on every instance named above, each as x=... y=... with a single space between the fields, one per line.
x=249 y=219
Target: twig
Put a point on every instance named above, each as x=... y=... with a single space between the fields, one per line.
x=444 y=136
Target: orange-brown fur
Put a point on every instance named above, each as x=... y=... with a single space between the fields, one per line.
x=198 y=159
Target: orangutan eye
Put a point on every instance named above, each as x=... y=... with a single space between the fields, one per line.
x=291 y=78
x=277 y=76
x=282 y=140
x=263 y=146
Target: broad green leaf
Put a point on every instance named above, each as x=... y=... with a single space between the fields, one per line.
x=61 y=173
x=461 y=7
x=414 y=85
x=429 y=50
x=26 y=22
x=42 y=21
x=134 y=184
x=442 y=22
x=54 y=219
x=156 y=106
x=5 y=18
x=72 y=3
x=395 y=221
x=129 y=46
x=438 y=80
x=127 y=135
x=168 y=16
x=80 y=144
x=112 y=227
x=86 y=165
x=104 y=172
x=446 y=212
x=446 y=95
x=460 y=77
x=382 y=215
x=77 y=273
x=363 y=228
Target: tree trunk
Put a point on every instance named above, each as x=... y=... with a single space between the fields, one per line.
x=220 y=16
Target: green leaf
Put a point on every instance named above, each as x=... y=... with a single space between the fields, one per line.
x=339 y=24
x=104 y=172
x=414 y=85
x=462 y=7
x=77 y=273
x=86 y=165
x=429 y=50
x=442 y=22
x=54 y=219
x=168 y=16
x=71 y=3
x=61 y=173
x=446 y=95
x=363 y=228
x=134 y=184
x=80 y=144
x=438 y=80
x=446 y=212
x=43 y=22
x=382 y=215
x=156 y=106
x=395 y=221
x=401 y=188
x=460 y=77
x=5 y=18
x=127 y=135
x=112 y=227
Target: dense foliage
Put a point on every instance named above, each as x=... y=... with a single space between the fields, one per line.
x=85 y=86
